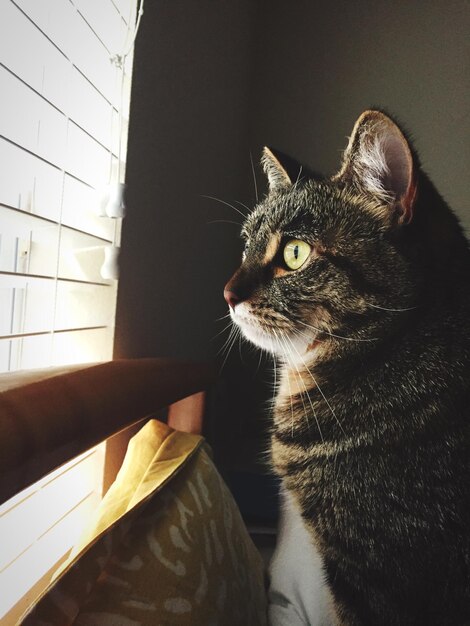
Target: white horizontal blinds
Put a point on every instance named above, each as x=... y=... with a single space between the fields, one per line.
x=60 y=133
x=60 y=504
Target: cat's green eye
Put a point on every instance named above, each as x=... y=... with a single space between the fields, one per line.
x=296 y=252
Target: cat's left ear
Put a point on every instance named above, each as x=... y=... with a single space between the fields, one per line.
x=277 y=176
x=379 y=159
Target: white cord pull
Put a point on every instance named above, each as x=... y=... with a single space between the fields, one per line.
x=116 y=206
x=110 y=268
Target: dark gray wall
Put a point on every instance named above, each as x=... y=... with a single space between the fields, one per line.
x=320 y=64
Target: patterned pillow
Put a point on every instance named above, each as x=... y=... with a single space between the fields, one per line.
x=178 y=555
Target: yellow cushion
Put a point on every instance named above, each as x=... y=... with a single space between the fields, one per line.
x=168 y=547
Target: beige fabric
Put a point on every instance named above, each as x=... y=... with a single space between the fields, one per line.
x=180 y=556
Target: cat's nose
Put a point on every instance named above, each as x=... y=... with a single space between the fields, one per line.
x=231 y=298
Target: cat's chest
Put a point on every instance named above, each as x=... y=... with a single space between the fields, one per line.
x=314 y=475
x=341 y=489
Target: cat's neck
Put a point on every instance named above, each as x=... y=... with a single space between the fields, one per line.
x=346 y=393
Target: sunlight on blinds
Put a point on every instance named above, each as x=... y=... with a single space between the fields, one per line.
x=60 y=504
x=63 y=126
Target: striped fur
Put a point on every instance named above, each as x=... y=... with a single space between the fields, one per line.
x=372 y=337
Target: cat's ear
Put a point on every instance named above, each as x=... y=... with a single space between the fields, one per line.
x=378 y=158
x=277 y=176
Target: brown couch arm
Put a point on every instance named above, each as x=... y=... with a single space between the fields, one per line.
x=45 y=424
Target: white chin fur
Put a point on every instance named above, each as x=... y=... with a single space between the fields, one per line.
x=275 y=343
x=259 y=337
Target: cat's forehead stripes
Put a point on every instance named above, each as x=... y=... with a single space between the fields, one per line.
x=271 y=248
x=276 y=212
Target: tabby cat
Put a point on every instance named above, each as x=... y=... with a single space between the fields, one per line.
x=360 y=287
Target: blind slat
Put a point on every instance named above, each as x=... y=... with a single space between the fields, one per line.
x=50 y=332
x=35 y=187
x=45 y=506
x=29 y=121
x=79 y=209
x=43 y=554
x=85 y=158
x=15 y=26
x=68 y=347
x=28 y=182
x=60 y=131
x=28 y=278
x=65 y=27
x=106 y=22
x=125 y=8
x=50 y=221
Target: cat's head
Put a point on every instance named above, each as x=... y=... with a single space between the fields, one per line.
x=324 y=261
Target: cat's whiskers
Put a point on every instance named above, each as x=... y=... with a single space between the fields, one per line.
x=240 y=346
x=303 y=335
x=229 y=343
x=226 y=342
x=327 y=332
x=254 y=178
x=275 y=373
x=259 y=361
x=222 y=331
x=243 y=205
x=288 y=382
x=223 y=222
x=294 y=187
x=319 y=389
x=306 y=390
x=226 y=204
x=229 y=349
x=383 y=308
x=218 y=319
x=291 y=363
